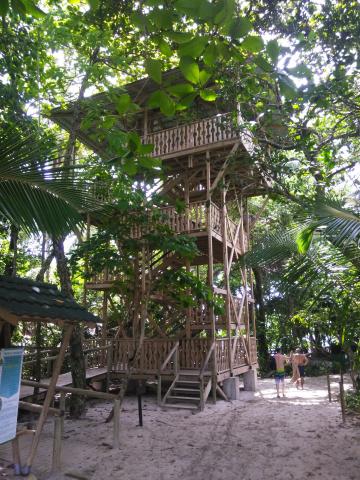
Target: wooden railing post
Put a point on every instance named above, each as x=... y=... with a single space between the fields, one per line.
x=56 y=457
x=214 y=376
x=110 y=353
x=202 y=402
x=116 y=421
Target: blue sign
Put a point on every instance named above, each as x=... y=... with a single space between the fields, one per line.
x=10 y=378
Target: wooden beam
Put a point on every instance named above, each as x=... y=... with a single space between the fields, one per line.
x=9 y=317
x=49 y=395
x=224 y=167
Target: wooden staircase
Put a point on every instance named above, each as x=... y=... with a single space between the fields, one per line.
x=189 y=390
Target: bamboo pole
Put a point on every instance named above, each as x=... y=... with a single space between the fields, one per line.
x=51 y=389
x=226 y=274
x=342 y=396
x=211 y=268
x=328 y=386
x=116 y=442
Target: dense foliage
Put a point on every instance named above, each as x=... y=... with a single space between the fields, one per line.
x=293 y=69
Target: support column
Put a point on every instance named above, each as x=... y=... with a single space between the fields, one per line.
x=231 y=388
x=104 y=325
x=211 y=270
x=48 y=398
x=189 y=310
x=250 y=380
x=226 y=275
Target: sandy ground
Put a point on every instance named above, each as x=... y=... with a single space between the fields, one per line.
x=257 y=437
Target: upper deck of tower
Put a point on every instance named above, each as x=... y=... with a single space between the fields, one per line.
x=183 y=141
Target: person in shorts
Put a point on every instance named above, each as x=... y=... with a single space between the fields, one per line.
x=299 y=361
x=280 y=360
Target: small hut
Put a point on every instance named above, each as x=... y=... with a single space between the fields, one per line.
x=24 y=300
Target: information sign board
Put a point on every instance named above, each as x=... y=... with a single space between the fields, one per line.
x=10 y=378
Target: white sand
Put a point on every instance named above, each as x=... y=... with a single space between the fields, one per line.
x=256 y=438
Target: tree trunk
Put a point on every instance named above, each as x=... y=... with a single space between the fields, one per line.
x=77 y=360
x=10 y=271
x=260 y=319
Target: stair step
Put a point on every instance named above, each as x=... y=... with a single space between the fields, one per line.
x=187 y=390
x=181 y=405
x=188 y=382
x=178 y=397
x=190 y=373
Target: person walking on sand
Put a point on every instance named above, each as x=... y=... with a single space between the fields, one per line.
x=298 y=361
x=280 y=360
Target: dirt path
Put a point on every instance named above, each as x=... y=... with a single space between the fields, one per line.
x=258 y=437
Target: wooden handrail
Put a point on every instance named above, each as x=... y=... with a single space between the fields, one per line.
x=167 y=359
x=220 y=117
x=206 y=361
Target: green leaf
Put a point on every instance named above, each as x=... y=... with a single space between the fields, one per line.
x=154 y=99
x=165 y=48
x=167 y=105
x=180 y=37
x=210 y=54
x=194 y=48
x=204 y=76
x=139 y=20
x=304 y=238
x=122 y=103
x=253 y=44
x=273 y=50
x=94 y=4
x=187 y=101
x=186 y=6
x=4 y=7
x=146 y=149
x=180 y=89
x=130 y=167
x=153 y=69
x=150 y=162
x=190 y=69
x=134 y=141
x=19 y=7
x=300 y=71
x=240 y=27
x=263 y=64
x=160 y=99
x=208 y=95
x=206 y=11
x=287 y=86
x=161 y=18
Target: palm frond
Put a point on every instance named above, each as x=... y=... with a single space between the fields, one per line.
x=34 y=194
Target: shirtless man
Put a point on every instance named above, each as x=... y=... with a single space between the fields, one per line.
x=280 y=360
x=299 y=360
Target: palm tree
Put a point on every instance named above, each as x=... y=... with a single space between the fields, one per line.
x=35 y=195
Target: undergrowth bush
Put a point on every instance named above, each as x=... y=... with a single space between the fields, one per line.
x=352 y=400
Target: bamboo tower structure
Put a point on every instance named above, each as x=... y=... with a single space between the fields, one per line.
x=209 y=166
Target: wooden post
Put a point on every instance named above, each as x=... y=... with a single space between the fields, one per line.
x=56 y=457
x=328 y=386
x=49 y=395
x=86 y=262
x=187 y=262
x=104 y=326
x=342 y=396
x=116 y=420
x=159 y=389
x=210 y=266
x=226 y=274
x=109 y=364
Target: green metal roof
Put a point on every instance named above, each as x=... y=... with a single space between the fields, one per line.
x=36 y=301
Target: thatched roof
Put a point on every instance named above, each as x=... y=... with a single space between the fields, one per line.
x=22 y=299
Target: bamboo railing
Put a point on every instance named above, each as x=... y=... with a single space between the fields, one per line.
x=201 y=133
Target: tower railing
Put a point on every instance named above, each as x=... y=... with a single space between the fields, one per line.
x=200 y=133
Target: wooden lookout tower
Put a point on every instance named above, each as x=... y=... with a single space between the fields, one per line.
x=208 y=161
